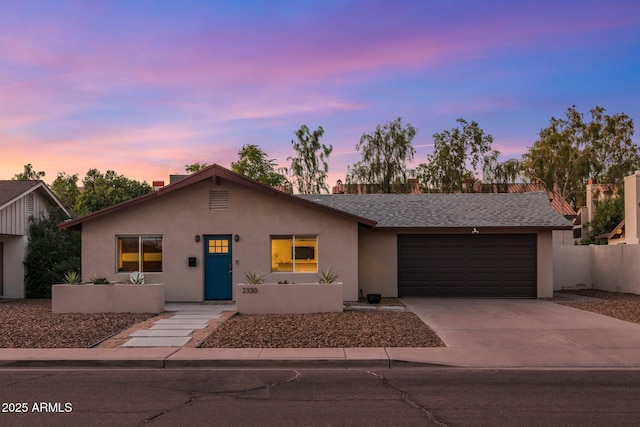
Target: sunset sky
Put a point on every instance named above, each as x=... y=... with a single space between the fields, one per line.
x=146 y=87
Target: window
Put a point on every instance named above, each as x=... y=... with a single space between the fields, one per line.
x=140 y=253
x=294 y=254
x=218 y=246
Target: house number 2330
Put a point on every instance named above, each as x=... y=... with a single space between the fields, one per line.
x=249 y=290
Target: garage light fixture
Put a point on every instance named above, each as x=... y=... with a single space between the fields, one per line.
x=475 y=231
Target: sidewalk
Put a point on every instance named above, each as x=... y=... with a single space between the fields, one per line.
x=479 y=334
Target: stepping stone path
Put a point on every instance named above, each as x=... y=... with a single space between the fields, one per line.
x=176 y=331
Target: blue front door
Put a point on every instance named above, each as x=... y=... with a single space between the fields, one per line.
x=217 y=267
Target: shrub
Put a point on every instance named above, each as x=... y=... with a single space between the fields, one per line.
x=50 y=254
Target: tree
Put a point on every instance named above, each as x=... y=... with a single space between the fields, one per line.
x=50 y=254
x=453 y=151
x=385 y=153
x=29 y=174
x=613 y=153
x=254 y=163
x=196 y=167
x=498 y=175
x=65 y=187
x=569 y=151
x=309 y=168
x=104 y=190
x=608 y=214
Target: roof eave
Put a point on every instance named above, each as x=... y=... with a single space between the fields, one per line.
x=215 y=173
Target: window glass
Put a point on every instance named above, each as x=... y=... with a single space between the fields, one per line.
x=128 y=250
x=151 y=254
x=140 y=253
x=294 y=253
x=219 y=246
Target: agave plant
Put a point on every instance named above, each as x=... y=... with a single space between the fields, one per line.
x=72 y=278
x=98 y=280
x=254 y=278
x=136 y=278
x=327 y=276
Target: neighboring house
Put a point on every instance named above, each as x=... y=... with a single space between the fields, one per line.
x=203 y=233
x=628 y=231
x=594 y=193
x=20 y=203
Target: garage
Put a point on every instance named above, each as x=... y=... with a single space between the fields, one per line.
x=467 y=265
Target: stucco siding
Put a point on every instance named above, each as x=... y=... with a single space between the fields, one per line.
x=252 y=215
x=545 y=265
x=378 y=264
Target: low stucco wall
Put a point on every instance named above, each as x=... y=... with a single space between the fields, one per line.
x=273 y=298
x=114 y=298
x=610 y=268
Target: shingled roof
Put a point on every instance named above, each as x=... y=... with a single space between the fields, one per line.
x=11 y=190
x=450 y=211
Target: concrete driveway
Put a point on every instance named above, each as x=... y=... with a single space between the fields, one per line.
x=513 y=332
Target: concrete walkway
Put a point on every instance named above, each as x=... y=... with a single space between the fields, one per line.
x=479 y=333
x=176 y=331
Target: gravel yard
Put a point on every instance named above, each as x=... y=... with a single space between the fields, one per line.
x=613 y=304
x=347 y=329
x=30 y=324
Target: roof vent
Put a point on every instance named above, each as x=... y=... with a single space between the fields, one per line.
x=218 y=200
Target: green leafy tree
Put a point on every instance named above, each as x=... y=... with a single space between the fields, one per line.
x=254 y=163
x=104 y=190
x=309 y=168
x=50 y=254
x=447 y=167
x=570 y=151
x=65 y=187
x=608 y=214
x=613 y=153
x=385 y=153
x=196 y=167
x=498 y=175
x=29 y=174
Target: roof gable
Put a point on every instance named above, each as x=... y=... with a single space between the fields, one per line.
x=215 y=173
x=12 y=190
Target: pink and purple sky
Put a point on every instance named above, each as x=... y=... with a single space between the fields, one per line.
x=146 y=87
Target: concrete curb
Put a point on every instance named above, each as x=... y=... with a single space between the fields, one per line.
x=323 y=358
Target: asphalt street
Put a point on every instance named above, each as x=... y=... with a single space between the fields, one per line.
x=288 y=397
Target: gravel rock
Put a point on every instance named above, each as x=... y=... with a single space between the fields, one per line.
x=31 y=324
x=324 y=330
x=613 y=304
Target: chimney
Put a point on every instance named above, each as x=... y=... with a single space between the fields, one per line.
x=589 y=203
x=631 y=207
x=157 y=185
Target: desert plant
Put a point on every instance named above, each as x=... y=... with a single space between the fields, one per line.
x=254 y=278
x=99 y=280
x=136 y=278
x=72 y=278
x=285 y=282
x=327 y=276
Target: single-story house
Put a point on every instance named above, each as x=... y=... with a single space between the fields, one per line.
x=202 y=234
x=20 y=203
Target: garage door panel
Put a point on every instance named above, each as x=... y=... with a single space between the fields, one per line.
x=467 y=265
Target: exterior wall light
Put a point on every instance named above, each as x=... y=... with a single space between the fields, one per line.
x=197 y=238
x=236 y=238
